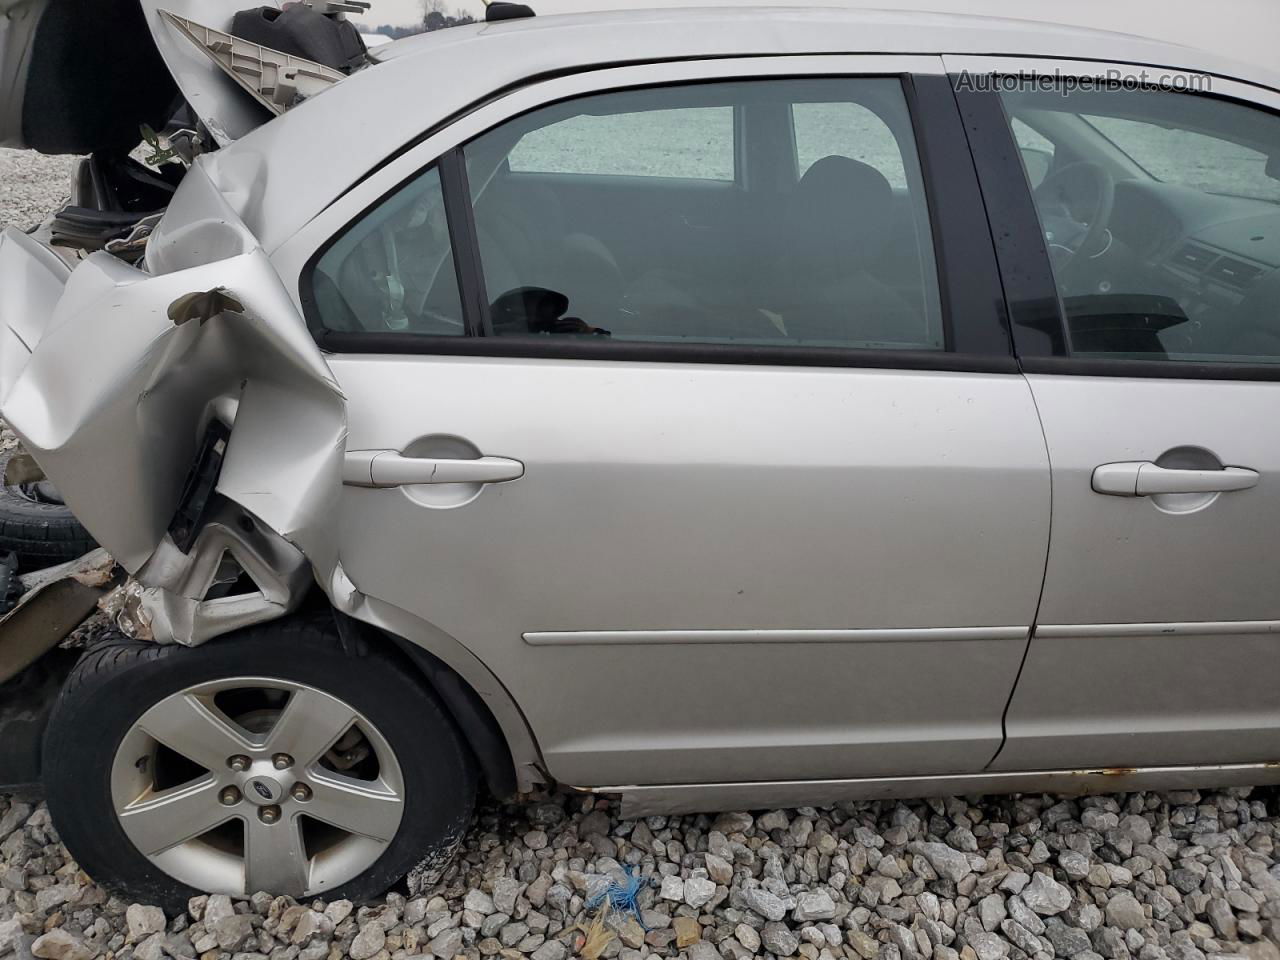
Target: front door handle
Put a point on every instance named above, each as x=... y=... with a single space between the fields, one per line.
x=1141 y=478
x=387 y=468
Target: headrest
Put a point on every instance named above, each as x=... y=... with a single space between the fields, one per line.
x=841 y=208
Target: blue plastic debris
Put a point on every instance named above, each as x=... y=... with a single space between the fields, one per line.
x=622 y=896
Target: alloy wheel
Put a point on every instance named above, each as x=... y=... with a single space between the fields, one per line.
x=250 y=784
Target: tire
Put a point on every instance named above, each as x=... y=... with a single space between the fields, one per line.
x=40 y=530
x=94 y=736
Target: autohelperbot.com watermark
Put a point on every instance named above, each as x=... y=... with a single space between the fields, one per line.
x=1054 y=81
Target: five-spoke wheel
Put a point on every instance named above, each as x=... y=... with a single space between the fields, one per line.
x=274 y=760
x=248 y=784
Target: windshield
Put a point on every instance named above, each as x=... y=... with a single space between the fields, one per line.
x=1190 y=158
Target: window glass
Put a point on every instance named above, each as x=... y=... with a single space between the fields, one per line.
x=690 y=248
x=1036 y=151
x=392 y=270
x=693 y=143
x=846 y=130
x=1028 y=139
x=1203 y=161
x=1164 y=228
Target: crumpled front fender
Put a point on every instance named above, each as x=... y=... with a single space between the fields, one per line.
x=32 y=280
x=130 y=368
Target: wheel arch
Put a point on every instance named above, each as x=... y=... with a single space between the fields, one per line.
x=486 y=713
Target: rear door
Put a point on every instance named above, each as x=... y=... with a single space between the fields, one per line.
x=1158 y=637
x=774 y=508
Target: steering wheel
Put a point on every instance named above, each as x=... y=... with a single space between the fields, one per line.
x=1075 y=205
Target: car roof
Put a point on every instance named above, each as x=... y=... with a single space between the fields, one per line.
x=324 y=146
x=647 y=34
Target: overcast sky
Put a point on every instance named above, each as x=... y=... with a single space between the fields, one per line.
x=1243 y=29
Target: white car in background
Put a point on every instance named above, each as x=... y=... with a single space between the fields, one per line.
x=719 y=410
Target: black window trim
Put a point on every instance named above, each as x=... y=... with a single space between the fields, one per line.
x=1039 y=323
x=972 y=305
x=973 y=308
x=465 y=244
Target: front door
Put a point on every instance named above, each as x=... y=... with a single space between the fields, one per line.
x=1158 y=638
x=760 y=506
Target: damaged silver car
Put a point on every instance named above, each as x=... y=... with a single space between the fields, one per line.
x=714 y=410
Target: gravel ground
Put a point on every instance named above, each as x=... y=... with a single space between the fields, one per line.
x=1178 y=876
x=1148 y=876
x=31 y=186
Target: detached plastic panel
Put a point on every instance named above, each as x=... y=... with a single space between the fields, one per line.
x=278 y=80
x=301 y=31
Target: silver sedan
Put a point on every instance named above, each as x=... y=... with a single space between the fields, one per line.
x=721 y=411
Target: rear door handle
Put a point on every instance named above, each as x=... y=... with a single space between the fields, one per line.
x=387 y=468
x=1141 y=478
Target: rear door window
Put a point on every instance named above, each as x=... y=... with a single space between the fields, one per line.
x=690 y=142
x=648 y=215
x=846 y=129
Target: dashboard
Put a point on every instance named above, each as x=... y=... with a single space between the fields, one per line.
x=1218 y=256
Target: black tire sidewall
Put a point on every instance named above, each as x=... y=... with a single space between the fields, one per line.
x=40 y=533
x=92 y=718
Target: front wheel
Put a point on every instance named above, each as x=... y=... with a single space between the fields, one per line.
x=272 y=760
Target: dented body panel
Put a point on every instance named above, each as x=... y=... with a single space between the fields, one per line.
x=122 y=382
x=120 y=385
x=34 y=280
x=115 y=390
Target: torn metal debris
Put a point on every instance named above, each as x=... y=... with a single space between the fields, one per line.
x=56 y=601
x=236 y=574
